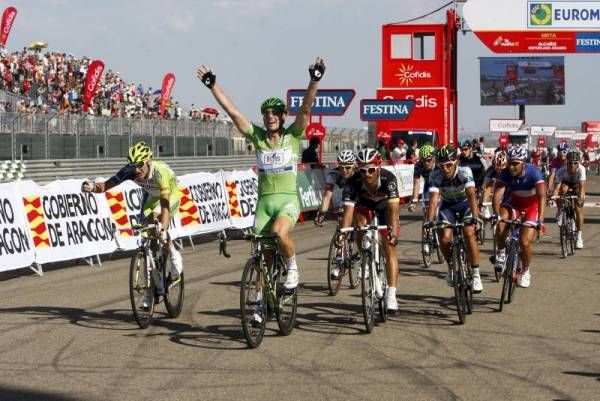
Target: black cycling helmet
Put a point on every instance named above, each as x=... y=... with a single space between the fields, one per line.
x=446 y=153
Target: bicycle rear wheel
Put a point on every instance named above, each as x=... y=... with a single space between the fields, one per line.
x=352 y=265
x=334 y=283
x=253 y=304
x=426 y=247
x=367 y=292
x=459 y=283
x=287 y=301
x=481 y=233
x=141 y=291
x=174 y=295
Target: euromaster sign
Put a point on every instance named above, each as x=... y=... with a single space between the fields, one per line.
x=328 y=102
x=527 y=26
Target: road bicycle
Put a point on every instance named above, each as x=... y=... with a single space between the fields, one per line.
x=373 y=275
x=430 y=243
x=262 y=293
x=568 y=227
x=149 y=279
x=341 y=257
x=513 y=266
x=462 y=274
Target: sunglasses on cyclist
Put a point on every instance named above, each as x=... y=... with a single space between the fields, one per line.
x=573 y=163
x=446 y=165
x=369 y=171
x=346 y=166
x=136 y=165
x=428 y=160
x=515 y=163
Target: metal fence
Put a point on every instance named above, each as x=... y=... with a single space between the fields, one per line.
x=53 y=136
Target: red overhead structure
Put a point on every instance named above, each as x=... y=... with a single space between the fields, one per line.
x=419 y=62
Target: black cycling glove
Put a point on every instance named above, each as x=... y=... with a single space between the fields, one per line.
x=209 y=79
x=316 y=71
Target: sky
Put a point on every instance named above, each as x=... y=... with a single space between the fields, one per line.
x=261 y=48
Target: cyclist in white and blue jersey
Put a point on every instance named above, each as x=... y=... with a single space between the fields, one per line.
x=452 y=188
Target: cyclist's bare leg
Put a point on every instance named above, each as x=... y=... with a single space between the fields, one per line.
x=527 y=236
x=392 y=263
x=471 y=242
x=445 y=237
x=579 y=217
x=501 y=231
x=282 y=226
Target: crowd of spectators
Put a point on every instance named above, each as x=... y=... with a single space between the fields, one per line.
x=52 y=82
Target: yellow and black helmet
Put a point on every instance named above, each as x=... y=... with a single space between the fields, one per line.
x=139 y=153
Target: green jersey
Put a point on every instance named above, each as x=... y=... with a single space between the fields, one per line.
x=276 y=165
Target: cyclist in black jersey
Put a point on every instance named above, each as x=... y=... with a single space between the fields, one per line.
x=472 y=159
x=336 y=178
x=423 y=168
x=375 y=190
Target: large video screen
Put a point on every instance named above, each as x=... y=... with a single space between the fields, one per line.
x=522 y=80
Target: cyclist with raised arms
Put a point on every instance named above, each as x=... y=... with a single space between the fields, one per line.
x=527 y=193
x=452 y=191
x=423 y=168
x=570 y=179
x=277 y=151
x=375 y=190
x=161 y=193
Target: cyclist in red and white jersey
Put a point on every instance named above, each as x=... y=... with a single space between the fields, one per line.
x=527 y=194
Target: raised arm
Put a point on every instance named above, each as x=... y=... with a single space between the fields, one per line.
x=316 y=73
x=208 y=78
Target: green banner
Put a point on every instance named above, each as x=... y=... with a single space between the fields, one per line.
x=310 y=185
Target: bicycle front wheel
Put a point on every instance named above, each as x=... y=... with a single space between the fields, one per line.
x=287 y=302
x=335 y=271
x=512 y=266
x=253 y=304
x=459 y=286
x=572 y=233
x=438 y=248
x=481 y=233
x=563 y=238
x=141 y=290
x=382 y=277
x=174 y=296
x=367 y=291
x=426 y=247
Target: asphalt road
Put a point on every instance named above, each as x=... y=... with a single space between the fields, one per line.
x=70 y=334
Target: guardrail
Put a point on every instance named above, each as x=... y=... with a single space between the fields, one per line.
x=27 y=136
x=45 y=171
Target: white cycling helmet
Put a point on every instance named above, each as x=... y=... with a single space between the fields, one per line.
x=346 y=157
x=517 y=153
x=369 y=155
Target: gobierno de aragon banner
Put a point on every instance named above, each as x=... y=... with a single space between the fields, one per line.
x=65 y=223
x=242 y=196
x=16 y=246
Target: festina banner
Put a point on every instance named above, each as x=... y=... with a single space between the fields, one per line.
x=167 y=87
x=242 y=195
x=65 y=223
x=8 y=19
x=16 y=245
x=92 y=80
x=526 y=26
